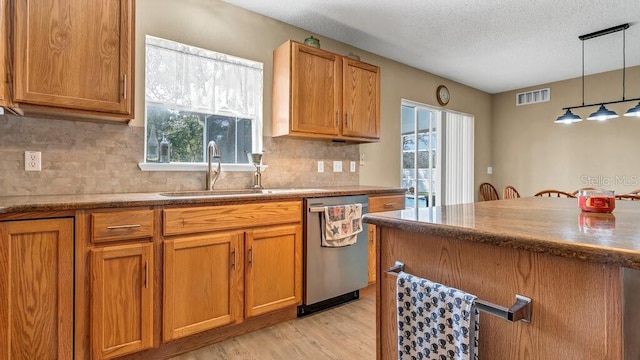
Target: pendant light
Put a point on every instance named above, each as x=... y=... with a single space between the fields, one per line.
x=568 y=118
x=602 y=113
x=634 y=111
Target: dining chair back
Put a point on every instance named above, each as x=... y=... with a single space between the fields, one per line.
x=632 y=197
x=488 y=192
x=509 y=192
x=554 y=193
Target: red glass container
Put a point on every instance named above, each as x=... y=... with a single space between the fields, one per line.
x=603 y=201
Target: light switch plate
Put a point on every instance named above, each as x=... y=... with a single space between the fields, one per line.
x=320 y=166
x=489 y=170
x=337 y=166
x=361 y=159
x=352 y=166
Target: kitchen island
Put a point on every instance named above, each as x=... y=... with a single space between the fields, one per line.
x=581 y=271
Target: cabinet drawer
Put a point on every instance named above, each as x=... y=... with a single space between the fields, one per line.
x=121 y=225
x=386 y=203
x=224 y=217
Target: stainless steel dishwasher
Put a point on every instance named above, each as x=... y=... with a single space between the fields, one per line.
x=332 y=275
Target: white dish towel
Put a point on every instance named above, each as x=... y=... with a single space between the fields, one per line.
x=435 y=321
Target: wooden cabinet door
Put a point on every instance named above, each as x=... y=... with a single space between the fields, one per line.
x=36 y=289
x=380 y=203
x=361 y=102
x=74 y=54
x=371 y=251
x=315 y=90
x=3 y=52
x=121 y=318
x=202 y=290
x=273 y=275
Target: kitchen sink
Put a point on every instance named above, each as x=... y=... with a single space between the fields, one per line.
x=231 y=192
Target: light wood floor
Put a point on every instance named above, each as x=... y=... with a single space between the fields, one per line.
x=343 y=332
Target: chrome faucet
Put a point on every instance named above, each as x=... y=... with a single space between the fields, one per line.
x=212 y=153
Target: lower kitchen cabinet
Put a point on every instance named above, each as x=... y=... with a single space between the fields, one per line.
x=202 y=288
x=273 y=274
x=229 y=263
x=121 y=299
x=36 y=289
x=376 y=204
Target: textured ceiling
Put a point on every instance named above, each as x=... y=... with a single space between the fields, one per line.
x=491 y=45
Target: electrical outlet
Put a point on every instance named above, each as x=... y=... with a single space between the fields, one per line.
x=320 y=166
x=489 y=170
x=352 y=166
x=32 y=161
x=337 y=166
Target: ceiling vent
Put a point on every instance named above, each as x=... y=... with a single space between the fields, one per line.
x=532 y=97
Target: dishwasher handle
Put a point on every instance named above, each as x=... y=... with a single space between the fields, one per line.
x=320 y=209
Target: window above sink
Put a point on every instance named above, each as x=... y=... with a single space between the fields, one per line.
x=195 y=95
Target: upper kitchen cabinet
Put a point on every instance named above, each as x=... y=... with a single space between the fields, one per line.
x=74 y=57
x=361 y=99
x=321 y=95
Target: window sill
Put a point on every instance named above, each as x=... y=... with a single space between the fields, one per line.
x=196 y=167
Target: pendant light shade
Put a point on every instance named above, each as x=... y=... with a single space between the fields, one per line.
x=634 y=111
x=568 y=118
x=602 y=114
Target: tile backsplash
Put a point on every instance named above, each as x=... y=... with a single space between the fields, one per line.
x=88 y=158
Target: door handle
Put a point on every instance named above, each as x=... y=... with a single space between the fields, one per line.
x=233 y=264
x=251 y=256
x=146 y=274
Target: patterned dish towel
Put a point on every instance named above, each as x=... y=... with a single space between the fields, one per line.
x=342 y=225
x=435 y=321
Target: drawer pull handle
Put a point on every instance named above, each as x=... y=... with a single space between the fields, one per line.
x=388 y=205
x=116 y=227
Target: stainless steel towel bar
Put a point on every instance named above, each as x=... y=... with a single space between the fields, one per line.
x=520 y=310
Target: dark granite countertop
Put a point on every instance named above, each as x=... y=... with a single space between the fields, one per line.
x=550 y=225
x=16 y=204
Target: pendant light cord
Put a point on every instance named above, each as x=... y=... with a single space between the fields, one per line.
x=624 y=65
x=582 y=72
